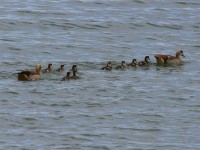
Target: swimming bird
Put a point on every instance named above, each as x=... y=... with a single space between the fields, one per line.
x=48 y=69
x=27 y=75
x=133 y=63
x=67 y=77
x=122 y=66
x=108 y=66
x=162 y=59
x=74 y=76
x=145 y=62
x=74 y=68
x=61 y=68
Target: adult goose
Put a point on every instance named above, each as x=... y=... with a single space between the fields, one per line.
x=162 y=59
x=27 y=75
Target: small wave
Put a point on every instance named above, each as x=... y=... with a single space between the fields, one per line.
x=69 y=25
x=139 y=1
x=54 y=24
x=187 y=3
x=137 y=24
x=196 y=26
x=29 y=119
x=63 y=104
x=76 y=137
x=92 y=26
x=92 y=135
x=12 y=23
x=14 y=48
x=97 y=147
x=7 y=40
x=94 y=105
x=165 y=26
x=179 y=98
x=140 y=129
x=152 y=115
x=198 y=106
x=151 y=38
x=36 y=12
x=39 y=104
x=12 y=92
x=197 y=46
x=194 y=111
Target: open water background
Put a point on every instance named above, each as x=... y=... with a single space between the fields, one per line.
x=144 y=108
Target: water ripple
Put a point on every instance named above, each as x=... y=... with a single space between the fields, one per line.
x=142 y=107
x=175 y=27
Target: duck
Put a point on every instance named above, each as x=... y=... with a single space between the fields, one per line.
x=133 y=63
x=122 y=66
x=74 y=68
x=145 y=62
x=108 y=66
x=61 y=68
x=27 y=75
x=48 y=69
x=74 y=77
x=162 y=59
x=67 y=77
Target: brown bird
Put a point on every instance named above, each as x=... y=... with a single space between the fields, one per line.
x=108 y=66
x=162 y=59
x=145 y=62
x=133 y=63
x=61 y=68
x=74 y=77
x=122 y=66
x=67 y=77
x=27 y=75
x=48 y=69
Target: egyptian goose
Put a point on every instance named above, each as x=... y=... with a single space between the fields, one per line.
x=133 y=63
x=108 y=66
x=145 y=62
x=122 y=66
x=27 y=75
x=61 y=68
x=169 y=59
x=48 y=69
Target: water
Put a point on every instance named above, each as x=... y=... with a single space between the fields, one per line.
x=140 y=108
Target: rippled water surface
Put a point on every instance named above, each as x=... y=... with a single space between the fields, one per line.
x=139 y=108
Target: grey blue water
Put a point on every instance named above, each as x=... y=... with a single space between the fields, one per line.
x=142 y=108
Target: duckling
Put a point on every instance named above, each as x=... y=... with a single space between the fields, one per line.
x=67 y=77
x=74 y=68
x=133 y=63
x=122 y=66
x=27 y=75
x=48 y=69
x=74 y=77
x=108 y=66
x=145 y=62
x=61 y=68
x=169 y=59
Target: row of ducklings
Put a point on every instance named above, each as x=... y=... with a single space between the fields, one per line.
x=31 y=75
x=68 y=76
x=161 y=59
x=123 y=65
x=50 y=68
